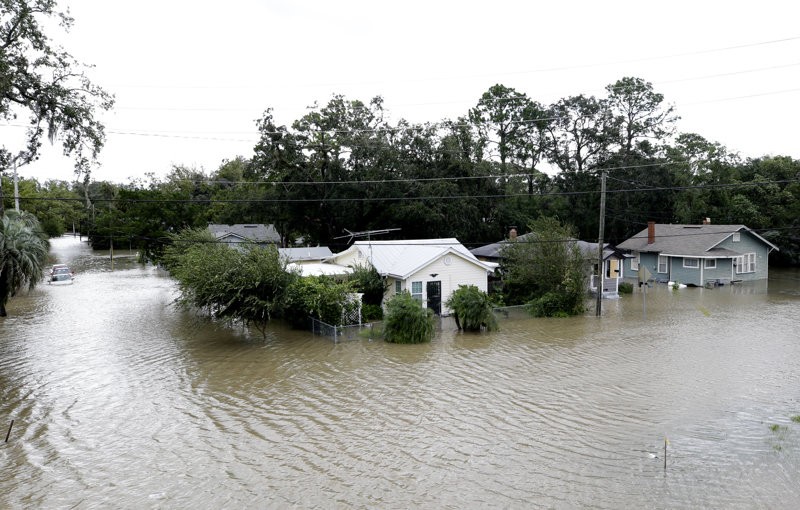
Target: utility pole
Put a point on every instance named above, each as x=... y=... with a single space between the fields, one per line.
x=599 y=307
x=16 y=188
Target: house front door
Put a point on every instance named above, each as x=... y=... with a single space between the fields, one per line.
x=434 y=291
x=612 y=268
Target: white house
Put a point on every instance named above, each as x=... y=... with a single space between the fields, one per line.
x=429 y=269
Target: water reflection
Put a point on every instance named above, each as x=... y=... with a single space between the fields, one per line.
x=121 y=399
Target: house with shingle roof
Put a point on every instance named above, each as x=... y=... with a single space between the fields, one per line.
x=430 y=269
x=698 y=254
x=612 y=260
x=237 y=233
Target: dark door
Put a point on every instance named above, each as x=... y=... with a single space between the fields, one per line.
x=435 y=297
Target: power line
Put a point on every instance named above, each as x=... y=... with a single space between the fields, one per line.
x=406 y=198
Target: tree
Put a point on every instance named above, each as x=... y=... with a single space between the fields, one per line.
x=246 y=284
x=639 y=112
x=23 y=251
x=545 y=268
x=48 y=84
x=472 y=309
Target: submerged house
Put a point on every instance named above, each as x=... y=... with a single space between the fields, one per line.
x=613 y=258
x=613 y=268
x=429 y=269
x=698 y=254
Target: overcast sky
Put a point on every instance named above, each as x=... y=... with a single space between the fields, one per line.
x=191 y=77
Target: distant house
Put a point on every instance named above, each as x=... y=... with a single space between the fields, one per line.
x=612 y=260
x=305 y=255
x=309 y=261
x=239 y=233
x=613 y=267
x=430 y=269
x=698 y=254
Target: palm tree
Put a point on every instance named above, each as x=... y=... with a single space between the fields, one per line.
x=23 y=251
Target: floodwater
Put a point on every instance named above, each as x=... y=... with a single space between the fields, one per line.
x=121 y=400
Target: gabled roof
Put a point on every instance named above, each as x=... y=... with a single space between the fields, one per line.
x=253 y=232
x=689 y=240
x=401 y=259
x=305 y=253
x=494 y=250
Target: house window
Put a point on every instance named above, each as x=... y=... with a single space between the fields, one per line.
x=416 y=290
x=746 y=263
x=662 y=263
x=635 y=263
x=710 y=264
x=736 y=237
x=691 y=262
x=398 y=287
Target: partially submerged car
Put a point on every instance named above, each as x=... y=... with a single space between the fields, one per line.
x=61 y=279
x=61 y=274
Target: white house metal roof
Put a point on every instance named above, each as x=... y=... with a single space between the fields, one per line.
x=401 y=259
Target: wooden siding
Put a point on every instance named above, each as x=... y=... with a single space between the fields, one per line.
x=458 y=272
x=750 y=244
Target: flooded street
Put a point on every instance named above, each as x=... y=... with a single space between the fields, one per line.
x=120 y=399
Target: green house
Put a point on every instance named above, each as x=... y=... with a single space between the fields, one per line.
x=698 y=254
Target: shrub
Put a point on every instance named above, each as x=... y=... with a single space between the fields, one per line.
x=407 y=322
x=371 y=312
x=320 y=297
x=625 y=288
x=472 y=309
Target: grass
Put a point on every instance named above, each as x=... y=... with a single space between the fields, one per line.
x=776 y=428
x=796 y=418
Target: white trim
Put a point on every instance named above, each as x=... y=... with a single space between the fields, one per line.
x=706 y=264
x=666 y=264
x=696 y=262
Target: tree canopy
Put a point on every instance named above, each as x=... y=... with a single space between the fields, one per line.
x=43 y=82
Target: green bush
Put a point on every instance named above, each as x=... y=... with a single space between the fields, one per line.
x=625 y=288
x=371 y=312
x=320 y=297
x=407 y=322
x=472 y=309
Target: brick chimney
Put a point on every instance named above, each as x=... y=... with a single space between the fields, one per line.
x=512 y=234
x=706 y=221
x=651 y=232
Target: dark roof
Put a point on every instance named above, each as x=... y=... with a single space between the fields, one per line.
x=589 y=250
x=492 y=251
x=254 y=232
x=688 y=240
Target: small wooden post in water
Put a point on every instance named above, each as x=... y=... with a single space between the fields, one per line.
x=666 y=442
x=9 y=430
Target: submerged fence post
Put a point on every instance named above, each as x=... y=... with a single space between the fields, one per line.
x=666 y=442
x=9 y=430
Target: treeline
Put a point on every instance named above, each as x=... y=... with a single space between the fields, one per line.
x=506 y=162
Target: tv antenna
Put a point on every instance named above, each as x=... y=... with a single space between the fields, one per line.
x=368 y=234
x=365 y=233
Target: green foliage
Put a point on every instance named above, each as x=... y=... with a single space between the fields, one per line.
x=371 y=313
x=472 y=309
x=46 y=82
x=320 y=297
x=247 y=284
x=545 y=269
x=625 y=288
x=365 y=279
x=407 y=322
x=23 y=251
x=796 y=418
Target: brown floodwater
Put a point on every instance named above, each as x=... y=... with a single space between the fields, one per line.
x=121 y=400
